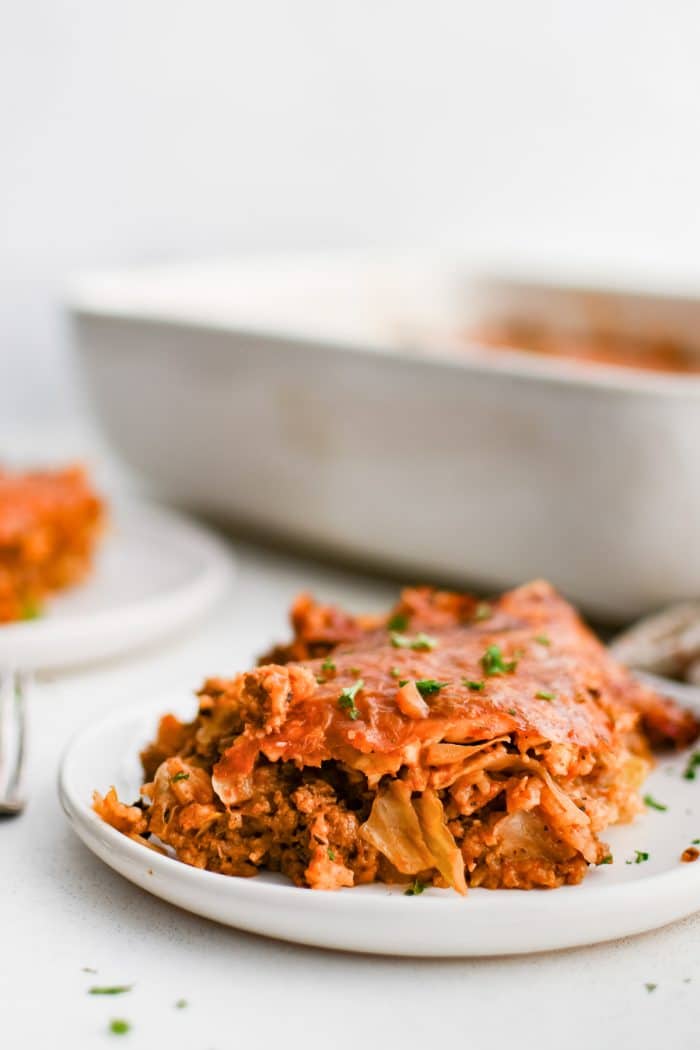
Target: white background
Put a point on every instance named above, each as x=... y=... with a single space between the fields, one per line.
x=135 y=132
x=148 y=130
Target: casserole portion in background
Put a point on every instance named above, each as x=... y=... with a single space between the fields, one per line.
x=341 y=405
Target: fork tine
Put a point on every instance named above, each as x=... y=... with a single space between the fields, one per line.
x=13 y=735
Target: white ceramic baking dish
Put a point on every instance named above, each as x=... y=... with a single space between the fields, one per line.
x=325 y=402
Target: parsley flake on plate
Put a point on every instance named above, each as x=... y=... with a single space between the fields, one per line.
x=179 y=776
x=328 y=664
x=119 y=1026
x=542 y=639
x=398 y=622
x=415 y=889
x=691 y=768
x=653 y=804
x=31 y=610
x=543 y=694
x=110 y=989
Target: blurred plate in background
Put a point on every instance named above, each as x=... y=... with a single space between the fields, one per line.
x=155 y=573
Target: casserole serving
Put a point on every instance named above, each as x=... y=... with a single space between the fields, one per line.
x=50 y=521
x=451 y=742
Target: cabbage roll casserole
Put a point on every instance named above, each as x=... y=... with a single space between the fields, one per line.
x=452 y=742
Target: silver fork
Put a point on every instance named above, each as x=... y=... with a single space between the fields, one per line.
x=14 y=687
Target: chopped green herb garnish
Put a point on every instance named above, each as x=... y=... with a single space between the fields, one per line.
x=414 y=889
x=179 y=776
x=482 y=611
x=476 y=687
x=426 y=686
x=606 y=860
x=180 y=1004
x=696 y=842
x=542 y=694
x=493 y=663
x=119 y=1027
x=421 y=641
x=651 y=987
x=31 y=610
x=346 y=700
x=110 y=989
x=653 y=804
x=328 y=664
x=639 y=857
x=398 y=622
x=693 y=763
x=331 y=854
x=542 y=639
x=395 y=672
x=512 y=711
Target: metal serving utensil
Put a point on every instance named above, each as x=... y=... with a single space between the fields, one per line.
x=14 y=687
x=667 y=643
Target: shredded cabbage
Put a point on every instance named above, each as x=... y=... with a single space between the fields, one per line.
x=568 y=821
x=393 y=829
x=413 y=835
x=524 y=832
x=440 y=841
x=446 y=754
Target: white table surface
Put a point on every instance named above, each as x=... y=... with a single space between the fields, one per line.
x=62 y=910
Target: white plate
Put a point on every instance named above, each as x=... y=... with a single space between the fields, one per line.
x=154 y=573
x=613 y=901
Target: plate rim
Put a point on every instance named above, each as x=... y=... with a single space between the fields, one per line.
x=369 y=901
